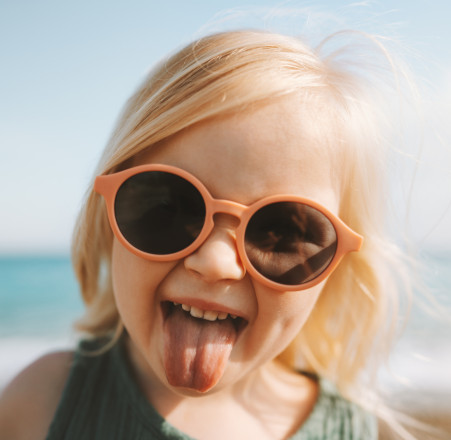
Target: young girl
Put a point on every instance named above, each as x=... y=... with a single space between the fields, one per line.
x=232 y=257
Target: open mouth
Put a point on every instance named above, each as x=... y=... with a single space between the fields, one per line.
x=198 y=344
x=169 y=307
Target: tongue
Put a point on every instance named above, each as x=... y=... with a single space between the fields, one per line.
x=196 y=351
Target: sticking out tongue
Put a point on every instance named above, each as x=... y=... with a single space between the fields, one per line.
x=196 y=351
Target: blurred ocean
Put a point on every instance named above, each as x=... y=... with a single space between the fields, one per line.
x=39 y=301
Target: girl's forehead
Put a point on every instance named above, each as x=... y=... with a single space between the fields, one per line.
x=273 y=149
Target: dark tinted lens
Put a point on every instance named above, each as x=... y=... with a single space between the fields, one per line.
x=158 y=212
x=290 y=243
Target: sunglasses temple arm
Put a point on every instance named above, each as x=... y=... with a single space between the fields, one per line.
x=355 y=242
x=101 y=185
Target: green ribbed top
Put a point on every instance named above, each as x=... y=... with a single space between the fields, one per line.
x=102 y=401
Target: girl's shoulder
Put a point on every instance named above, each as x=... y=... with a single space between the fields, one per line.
x=29 y=402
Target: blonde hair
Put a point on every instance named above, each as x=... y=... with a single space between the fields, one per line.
x=230 y=72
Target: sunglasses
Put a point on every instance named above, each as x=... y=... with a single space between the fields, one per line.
x=285 y=242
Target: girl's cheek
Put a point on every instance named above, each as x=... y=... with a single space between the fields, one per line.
x=126 y=281
x=135 y=280
x=281 y=316
x=126 y=268
x=296 y=299
x=295 y=307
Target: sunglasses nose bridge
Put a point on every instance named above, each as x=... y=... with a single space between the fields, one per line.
x=228 y=207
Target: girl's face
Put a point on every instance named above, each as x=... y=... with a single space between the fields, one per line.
x=269 y=150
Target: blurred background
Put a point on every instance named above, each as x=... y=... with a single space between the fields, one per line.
x=66 y=70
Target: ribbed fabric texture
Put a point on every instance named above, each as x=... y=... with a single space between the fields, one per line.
x=101 y=401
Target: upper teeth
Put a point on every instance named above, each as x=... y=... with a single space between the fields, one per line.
x=209 y=315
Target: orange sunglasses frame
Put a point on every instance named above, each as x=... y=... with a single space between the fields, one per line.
x=108 y=186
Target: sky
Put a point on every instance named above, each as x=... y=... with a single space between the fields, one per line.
x=66 y=69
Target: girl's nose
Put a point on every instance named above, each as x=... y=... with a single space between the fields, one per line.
x=217 y=258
